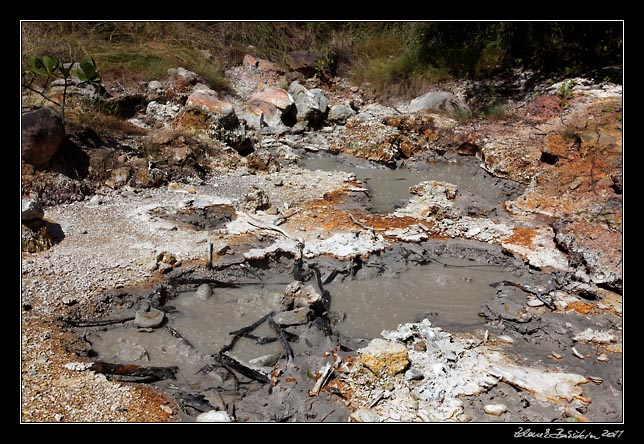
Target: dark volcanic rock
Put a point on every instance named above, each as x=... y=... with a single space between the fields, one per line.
x=43 y=133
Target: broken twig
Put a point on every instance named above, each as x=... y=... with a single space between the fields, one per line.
x=244 y=330
x=233 y=364
x=538 y=293
x=280 y=334
x=325 y=373
x=96 y=323
x=361 y=225
x=144 y=374
x=284 y=217
x=265 y=225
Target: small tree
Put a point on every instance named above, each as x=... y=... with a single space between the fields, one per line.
x=48 y=68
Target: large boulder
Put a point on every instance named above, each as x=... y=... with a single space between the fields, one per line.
x=311 y=105
x=259 y=114
x=340 y=114
x=277 y=97
x=440 y=101
x=43 y=133
x=207 y=101
x=301 y=61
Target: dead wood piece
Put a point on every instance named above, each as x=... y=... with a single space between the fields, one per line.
x=361 y=225
x=259 y=224
x=195 y=402
x=244 y=330
x=325 y=373
x=96 y=322
x=178 y=335
x=228 y=347
x=376 y=399
x=209 y=281
x=232 y=363
x=538 y=293
x=280 y=334
x=322 y=309
x=284 y=217
x=144 y=374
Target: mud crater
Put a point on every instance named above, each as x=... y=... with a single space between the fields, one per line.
x=445 y=281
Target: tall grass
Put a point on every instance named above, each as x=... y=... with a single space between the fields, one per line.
x=396 y=58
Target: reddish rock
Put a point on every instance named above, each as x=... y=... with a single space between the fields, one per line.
x=209 y=102
x=250 y=61
x=258 y=113
x=265 y=65
x=277 y=97
x=261 y=64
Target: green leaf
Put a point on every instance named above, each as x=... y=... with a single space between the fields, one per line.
x=36 y=66
x=50 y=64
x=309 y=374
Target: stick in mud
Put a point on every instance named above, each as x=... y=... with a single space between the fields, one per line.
x=322 y=379
x=244 y=330
x=232 y=363
x=538 y=293
x=361 y=225
x=178 y=335
x=280 y=334
x=147 y=374
x=97 y=322
x=209 y=256
x=323 y=311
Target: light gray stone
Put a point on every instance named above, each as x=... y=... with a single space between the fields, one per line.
x=204 y=292
x=365 y=415
x=148 y=317
x=441 y=101
x=214 y=416
x=340 y=114
x=311 y=105
x=297 y=316
x=155 y=85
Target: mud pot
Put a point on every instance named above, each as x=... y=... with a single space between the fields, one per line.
x=389 y=188
x=453 y=284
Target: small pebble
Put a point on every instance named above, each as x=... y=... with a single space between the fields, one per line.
x=602 y=358
x=495 y=409
x=214 y=416
x=166 y=409
x=204 y=292
x=505 y=338
x=420 y=346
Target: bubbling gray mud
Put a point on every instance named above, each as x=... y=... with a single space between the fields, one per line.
x=389 y=188
x=205 y=324
x=450 y=296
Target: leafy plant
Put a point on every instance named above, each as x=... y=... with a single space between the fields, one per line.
x=48 y=68
x=325 y=64
x=565 y=92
